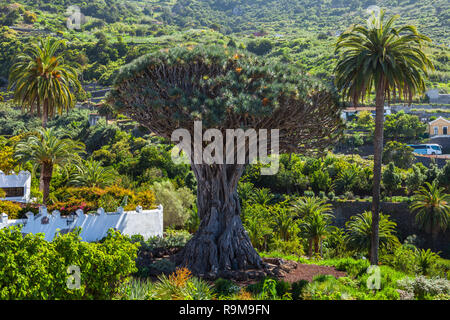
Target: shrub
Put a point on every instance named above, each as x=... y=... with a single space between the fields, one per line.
x=137 y=289
x=180 y=285
x=291 y=247
x=403 y=259
x=354 y=268
x=426 y=260
x=162 y=266
x=269 y=288
x=145 y=198
x=39 y=269
x=391 y=179
x=309 y=193
x=171 y=239
x=109 y=198
x=423 y=288
x=297 y=289
x=176 y=203
x=10 y=208
x=225 y=287
x=398 y=153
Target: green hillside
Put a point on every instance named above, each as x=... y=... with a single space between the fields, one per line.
x=115 y=32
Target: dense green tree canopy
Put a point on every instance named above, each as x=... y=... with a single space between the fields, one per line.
x=226 y=89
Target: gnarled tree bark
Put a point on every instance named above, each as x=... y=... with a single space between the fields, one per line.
x=221 y=242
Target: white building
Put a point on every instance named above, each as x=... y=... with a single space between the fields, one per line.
x=148 y=223
x=16 y=186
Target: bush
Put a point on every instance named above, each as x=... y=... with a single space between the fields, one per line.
x=291 y=247
x=297 y=289
x=32 y=268
x=180 y=285
x=426 y=260
x=10 y=208
x=225 y=287
x=354 y=268
x=402 y=259
x=109 y=198
x=137 y=289
x=176 y=203
x=162 y=266
x=424 y=288
x=269 y=288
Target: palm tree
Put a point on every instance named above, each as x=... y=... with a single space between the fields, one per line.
x=305 y=206
x=359 y=232
x=41 y=80
x=90 y=173
x=315 y=227
x=262 y=196
x=389 y=60
x=283 y=222
x=46 y=150
x=432 y=205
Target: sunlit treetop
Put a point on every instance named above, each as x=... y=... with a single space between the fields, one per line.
x=226 y=89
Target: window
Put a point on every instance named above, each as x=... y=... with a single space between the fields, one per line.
x=444 y=130
x=14 y=192
x=436 y=130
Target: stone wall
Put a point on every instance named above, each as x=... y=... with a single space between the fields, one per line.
x=94 y=227
x=398 y=212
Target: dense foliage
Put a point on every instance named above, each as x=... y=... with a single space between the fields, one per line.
x=32 y=268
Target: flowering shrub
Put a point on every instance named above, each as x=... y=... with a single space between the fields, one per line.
x=10 y=208
x=109 y=198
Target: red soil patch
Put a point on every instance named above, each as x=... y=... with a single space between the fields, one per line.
x=308 y=271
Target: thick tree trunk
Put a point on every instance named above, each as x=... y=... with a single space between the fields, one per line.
x=220 y=243
x=378 y=151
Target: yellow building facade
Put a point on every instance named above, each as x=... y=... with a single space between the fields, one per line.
x=439 y=127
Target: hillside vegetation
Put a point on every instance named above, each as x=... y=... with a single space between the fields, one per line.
x=115 y=32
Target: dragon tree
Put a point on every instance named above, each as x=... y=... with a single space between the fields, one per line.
x=225 y=89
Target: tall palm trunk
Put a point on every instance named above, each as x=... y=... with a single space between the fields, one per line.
x=378 y=150
x=45 y=114
x=316 y=245
x=310 y=248
x=46 y=177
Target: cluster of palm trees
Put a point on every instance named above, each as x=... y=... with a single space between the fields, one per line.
x=43 y=85
x=431 y=204
x=316 y=219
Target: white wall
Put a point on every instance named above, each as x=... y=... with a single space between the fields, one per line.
x=21 y=180
x=94 y=227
